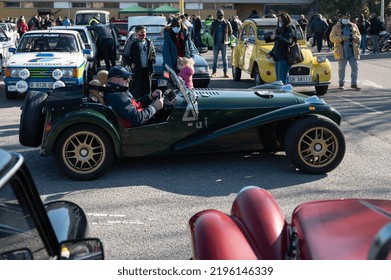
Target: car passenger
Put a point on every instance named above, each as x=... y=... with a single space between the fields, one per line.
x=131 y=111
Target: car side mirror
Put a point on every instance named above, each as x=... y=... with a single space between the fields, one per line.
x=88 y=46
x=87 y=53
x=81 y=249
x=20 y=254
x=245 y=41
x=12 y=50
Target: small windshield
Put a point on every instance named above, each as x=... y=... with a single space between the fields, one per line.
x=48 y=42
x=187 y=94
x=265 y=29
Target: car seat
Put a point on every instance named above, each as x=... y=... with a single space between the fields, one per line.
x=64 y=44
x=96 y=94
x=41 y=45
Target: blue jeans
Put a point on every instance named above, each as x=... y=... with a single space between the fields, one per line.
x=363 y=44
x=282 y=68
x=216 y=49
x=341 y=70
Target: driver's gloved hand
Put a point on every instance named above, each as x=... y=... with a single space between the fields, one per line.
x=158 y=104
x=157 y=94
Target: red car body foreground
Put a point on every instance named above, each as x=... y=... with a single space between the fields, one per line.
x=350 y=229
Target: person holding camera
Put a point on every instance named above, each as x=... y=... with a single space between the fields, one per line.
x=346 y=38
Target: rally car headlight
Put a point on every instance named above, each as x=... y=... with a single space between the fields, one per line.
x=57 y=74
x=201 y=69
x=67 y=73
x=18 y=73
x=321 y=58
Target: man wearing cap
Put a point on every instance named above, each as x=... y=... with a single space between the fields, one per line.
x=131 y=111
x=346 y=38
x=221 y=32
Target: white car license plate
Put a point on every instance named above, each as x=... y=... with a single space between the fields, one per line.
x=41 y=85
x=300 y=79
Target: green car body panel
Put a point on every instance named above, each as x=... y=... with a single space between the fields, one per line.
x=220 y=114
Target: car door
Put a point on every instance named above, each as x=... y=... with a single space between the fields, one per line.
x=5 y=43
x=249 y=54
x=242 y=46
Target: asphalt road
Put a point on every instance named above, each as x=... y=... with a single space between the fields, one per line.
x=140 y=208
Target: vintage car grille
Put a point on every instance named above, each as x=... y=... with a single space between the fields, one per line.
x=40 y=73
x=299 y=70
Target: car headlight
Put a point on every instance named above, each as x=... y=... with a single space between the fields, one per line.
x=57 y=74
x=67 y=73
x=19 y=73
x=201 y=69
x=321 y=58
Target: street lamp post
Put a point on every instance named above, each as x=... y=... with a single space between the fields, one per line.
x=69 y=9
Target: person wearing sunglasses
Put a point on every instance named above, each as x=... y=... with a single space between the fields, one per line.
x=132 y=112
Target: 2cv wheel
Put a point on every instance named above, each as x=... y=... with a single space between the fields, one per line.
x=315 y=145
x=84 y=152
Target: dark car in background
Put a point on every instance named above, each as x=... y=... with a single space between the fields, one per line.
x=30 y=229
x=201 y=77
x=121 y=26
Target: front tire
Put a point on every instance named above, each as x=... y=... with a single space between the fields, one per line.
x=236 y=73
x=32 y=120
x=84 y=152
x=315 y=145
x=257 y=77
x=321 y=90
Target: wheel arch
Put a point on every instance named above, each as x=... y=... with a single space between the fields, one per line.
x=82 y=117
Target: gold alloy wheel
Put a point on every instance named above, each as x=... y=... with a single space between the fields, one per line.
x=318 y=147
x=84 y=152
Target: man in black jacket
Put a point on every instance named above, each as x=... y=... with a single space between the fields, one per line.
x=131 y=111
x=374 y=30
x=106 y=43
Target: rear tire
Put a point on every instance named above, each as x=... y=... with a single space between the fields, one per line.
x=315 y=144
x=32 y=120
x=84 y=152
x=385 y=47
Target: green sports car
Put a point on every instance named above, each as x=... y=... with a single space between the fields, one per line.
x=85 y=136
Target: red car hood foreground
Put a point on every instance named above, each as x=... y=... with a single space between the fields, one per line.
x=257 y=229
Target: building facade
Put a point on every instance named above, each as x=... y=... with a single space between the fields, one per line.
x=242 y=8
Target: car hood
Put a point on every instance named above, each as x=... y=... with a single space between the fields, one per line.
x=339 y=229
x=47 y=59
x=246 y=98
x=237 y=105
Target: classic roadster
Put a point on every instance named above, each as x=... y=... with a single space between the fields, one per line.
x=344 y=229
x=85 y=136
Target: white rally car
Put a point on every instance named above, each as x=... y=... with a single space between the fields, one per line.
x=46 y=59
